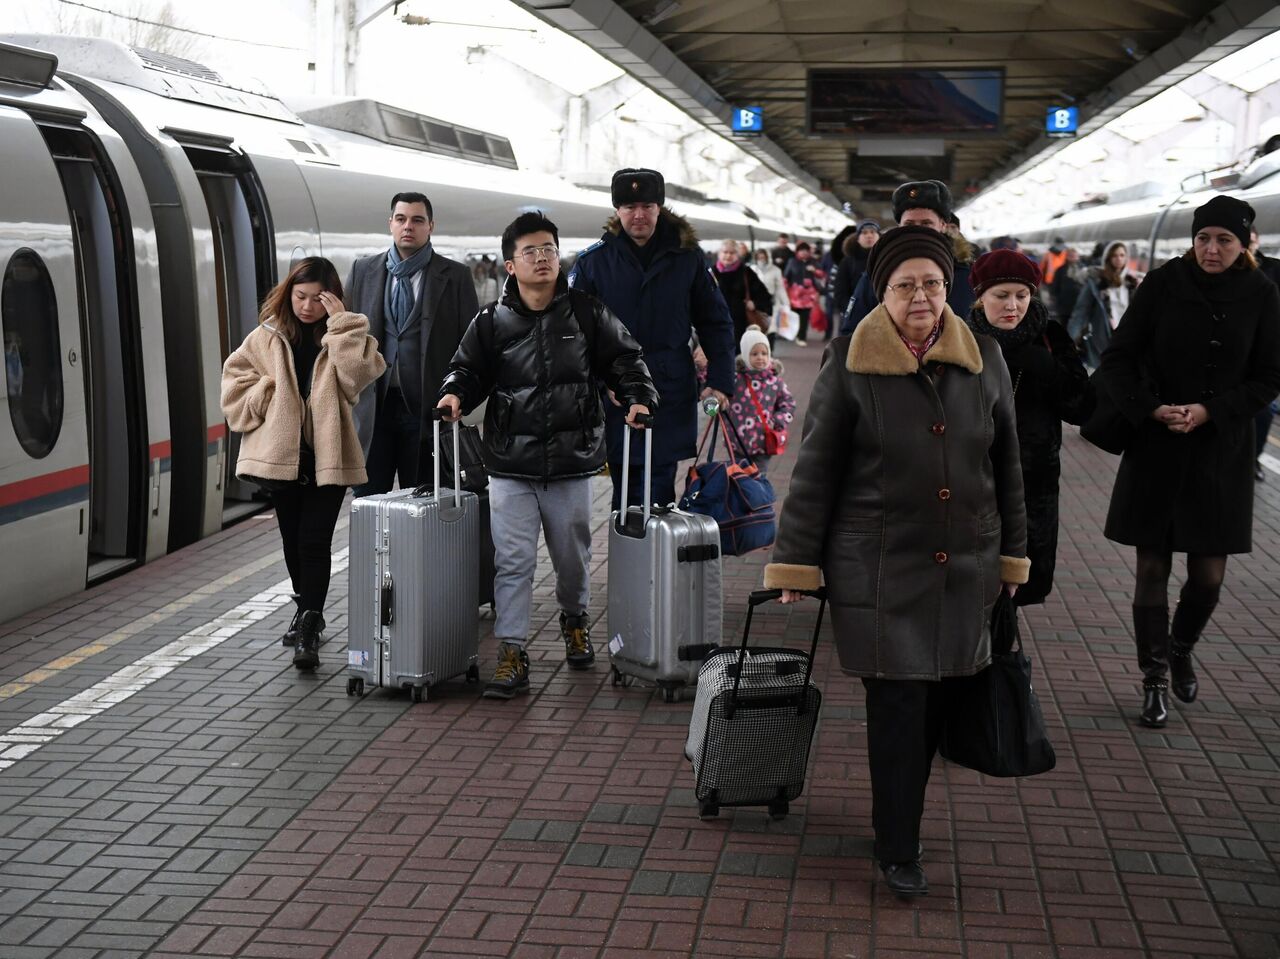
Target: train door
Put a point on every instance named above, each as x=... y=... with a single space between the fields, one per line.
x=119 y=487
x=244 y=266
x=44 y=475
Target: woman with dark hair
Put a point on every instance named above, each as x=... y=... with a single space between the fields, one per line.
x=1050 y=385
x=906 y=499
x=1196 y=356
x=289 y=389
x=1106 y=294
x=740 y=287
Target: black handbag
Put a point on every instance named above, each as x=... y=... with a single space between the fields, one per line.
x=994 y=724
x=1107 y=428
x=475 y=478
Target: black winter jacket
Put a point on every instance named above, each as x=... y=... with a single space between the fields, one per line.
x=541 y=373
x=1191 y=338
x=1050 y=385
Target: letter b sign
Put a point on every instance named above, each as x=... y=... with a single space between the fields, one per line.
x=1062 y=121
x=747 y=120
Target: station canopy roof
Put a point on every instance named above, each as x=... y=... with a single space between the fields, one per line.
x=989 y=68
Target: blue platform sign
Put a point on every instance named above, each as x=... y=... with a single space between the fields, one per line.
x=1062 y=121
x=747 y=120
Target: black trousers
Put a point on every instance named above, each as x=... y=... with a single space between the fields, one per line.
x=397 y=435
x=904 y=724
x=803 y=316
x=1261 y=430
x=306 y=515
x=664 y=484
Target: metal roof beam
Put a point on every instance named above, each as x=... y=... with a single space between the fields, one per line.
x=616 y=35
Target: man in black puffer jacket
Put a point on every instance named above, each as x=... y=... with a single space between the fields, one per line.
x=538 y=355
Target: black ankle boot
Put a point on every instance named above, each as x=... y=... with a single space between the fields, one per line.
x=1155 y=706
x=290 y=637
x=1189 y=620
x=306 y=653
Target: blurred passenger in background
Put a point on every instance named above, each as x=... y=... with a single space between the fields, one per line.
x=774 y=285
x=1106 y=294
x=1050 y=385
x=486 y=283
x=1064 y=292
x=1196 y=357
x=857 y=248
x=801 y=274
x=782 y=253
x=741 y=288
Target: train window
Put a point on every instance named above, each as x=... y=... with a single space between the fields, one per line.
x=32 y=353
x=473 y=142
x=441 y=135
x=402 y=126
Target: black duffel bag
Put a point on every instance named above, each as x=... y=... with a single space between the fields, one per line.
x=994 y=724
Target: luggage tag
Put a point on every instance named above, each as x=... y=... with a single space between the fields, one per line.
x=615 y=644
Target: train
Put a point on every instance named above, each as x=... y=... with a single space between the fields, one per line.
x=147 y=206
x=1155 y=229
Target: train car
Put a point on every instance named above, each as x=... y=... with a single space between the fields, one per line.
x=148 y=206
x=1157 y=229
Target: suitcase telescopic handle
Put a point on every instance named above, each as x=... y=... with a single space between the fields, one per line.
x=645 y=420
x=437 y=415
x=758 y=598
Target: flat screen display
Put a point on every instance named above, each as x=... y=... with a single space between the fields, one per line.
x=890 y=171
x=901 y=102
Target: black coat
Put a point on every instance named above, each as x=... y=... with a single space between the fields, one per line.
x=1183 y=341
x=1050 y=384
x=735 y=295
x=540 y=370
x=848 y=273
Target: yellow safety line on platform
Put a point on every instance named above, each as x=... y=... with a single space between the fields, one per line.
x=77 y=656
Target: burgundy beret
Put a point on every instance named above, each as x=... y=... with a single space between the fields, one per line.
x=1003 y=266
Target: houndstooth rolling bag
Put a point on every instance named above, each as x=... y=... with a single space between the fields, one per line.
x=753 y=721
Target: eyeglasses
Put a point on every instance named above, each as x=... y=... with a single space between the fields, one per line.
x=906 y=290
x=535 y=253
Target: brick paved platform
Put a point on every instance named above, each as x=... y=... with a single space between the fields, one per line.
x=169 y=787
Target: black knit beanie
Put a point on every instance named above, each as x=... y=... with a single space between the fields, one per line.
x=904 y=243
x=1231 y=214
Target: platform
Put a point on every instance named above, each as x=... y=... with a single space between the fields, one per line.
x=170 y=787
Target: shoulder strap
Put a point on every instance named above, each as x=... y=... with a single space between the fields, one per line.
x=584 y=313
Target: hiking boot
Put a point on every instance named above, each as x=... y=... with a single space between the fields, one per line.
x=575 y=632
x=306 y=652
x=511 y=675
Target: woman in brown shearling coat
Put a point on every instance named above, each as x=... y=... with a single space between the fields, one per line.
x=907 y=499
x=289 y=389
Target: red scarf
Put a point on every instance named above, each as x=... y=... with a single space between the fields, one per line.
x=919 y=351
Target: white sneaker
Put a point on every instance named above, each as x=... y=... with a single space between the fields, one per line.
x=801 y=343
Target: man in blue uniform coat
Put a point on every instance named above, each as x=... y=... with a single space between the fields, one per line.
x=649 y=270
x=919 y=203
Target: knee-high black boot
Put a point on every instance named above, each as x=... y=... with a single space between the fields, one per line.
x=1189 y=620
x=1151 y=632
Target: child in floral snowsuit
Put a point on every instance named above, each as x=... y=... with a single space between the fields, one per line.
x=760 y=373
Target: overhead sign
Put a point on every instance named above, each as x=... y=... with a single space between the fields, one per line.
x=1061 y=122
x=747 y=120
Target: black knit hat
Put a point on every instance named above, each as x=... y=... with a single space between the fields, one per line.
x=638 y=186
x=922 y=195
x=1227 y=212
x=904 y=243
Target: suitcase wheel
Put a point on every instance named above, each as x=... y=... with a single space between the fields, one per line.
x=473 y=673
x=708 y=810
x=419 y=694
x=778 y=809
x=615 y=677
x=355 y=686
x=670 y=694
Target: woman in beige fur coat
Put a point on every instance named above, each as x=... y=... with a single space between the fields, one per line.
x=289 y=389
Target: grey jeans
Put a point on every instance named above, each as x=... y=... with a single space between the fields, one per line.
x=517 y=510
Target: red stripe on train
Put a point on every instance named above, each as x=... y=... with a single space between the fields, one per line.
x=37 y=486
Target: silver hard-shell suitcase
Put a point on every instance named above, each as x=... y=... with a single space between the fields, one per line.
x=664 y=611
x=753 y=721
x=413 y=604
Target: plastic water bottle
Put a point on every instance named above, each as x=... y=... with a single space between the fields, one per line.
x=711 y=405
